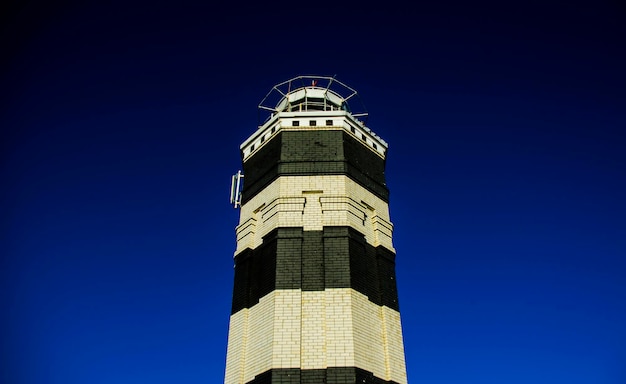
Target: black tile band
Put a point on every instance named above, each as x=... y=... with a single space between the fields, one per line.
x=330 y=375
x=337 y=257
x=305 y=153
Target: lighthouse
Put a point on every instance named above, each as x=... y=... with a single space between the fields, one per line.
x=314 y=297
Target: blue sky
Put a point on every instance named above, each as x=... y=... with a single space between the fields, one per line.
x=121 y=124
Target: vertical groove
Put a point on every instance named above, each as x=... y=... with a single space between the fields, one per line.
x=385 y=343
x=244 y=349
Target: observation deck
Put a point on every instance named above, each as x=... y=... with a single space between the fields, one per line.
x=312 y=103
x=311 y=93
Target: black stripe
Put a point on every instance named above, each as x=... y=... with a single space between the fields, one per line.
x=305 y=153
x=330 y=375
x=337 y=257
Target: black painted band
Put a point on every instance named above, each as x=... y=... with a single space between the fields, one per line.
x=330 y=375
x=306 y=153
x=337 y=257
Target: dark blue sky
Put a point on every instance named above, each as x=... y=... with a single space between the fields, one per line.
x=121 y=124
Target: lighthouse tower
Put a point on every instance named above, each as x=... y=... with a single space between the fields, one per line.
x=314 y=297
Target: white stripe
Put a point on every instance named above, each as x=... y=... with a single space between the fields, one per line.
x=311 y=203
x=315 y=330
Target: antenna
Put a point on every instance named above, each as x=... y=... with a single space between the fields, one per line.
x=236 y=186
